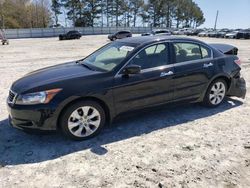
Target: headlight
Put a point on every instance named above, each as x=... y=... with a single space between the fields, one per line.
x=42 y=97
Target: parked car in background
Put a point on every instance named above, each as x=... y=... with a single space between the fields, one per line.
x=70 y=35
x=221 y=33
x=212 y=33
x=183 y=31
x=203 y=34
x=231 y=35
x=80 y=97
x=243 y=34
x=194 y=32
x=119 y=35
x=158 y=32
x=238 y=34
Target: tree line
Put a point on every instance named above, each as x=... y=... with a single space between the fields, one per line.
x=99 y=13
x=127 y=13
x=24 y=13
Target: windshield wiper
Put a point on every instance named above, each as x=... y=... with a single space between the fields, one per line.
x=87 y=66
x=82 y=63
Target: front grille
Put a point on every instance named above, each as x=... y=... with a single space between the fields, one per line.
x=11 y=97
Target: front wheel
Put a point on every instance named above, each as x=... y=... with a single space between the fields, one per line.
x=216 y=93
x=82 y=120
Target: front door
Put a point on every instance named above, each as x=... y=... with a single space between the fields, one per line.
x=153 y=85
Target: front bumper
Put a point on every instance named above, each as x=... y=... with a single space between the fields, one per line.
x=237 y=88
x=37 y=117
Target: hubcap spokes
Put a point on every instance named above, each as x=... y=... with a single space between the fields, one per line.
x=217 y=93
x=84 y=121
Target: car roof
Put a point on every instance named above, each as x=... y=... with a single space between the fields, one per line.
x=156 y=38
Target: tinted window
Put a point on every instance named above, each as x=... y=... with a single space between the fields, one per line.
x=187 y=52
x=153 y=56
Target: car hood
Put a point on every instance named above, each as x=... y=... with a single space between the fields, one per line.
x=50 y=75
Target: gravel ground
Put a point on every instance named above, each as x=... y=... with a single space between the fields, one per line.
x=185 y=146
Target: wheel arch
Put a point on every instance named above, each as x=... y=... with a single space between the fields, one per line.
x=220 y=76
x=104 y=105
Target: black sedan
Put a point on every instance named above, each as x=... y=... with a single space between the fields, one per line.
x=119 y=35
x=134 y=73
x=70 y=35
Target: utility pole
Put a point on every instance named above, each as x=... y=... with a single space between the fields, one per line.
x=216 y=19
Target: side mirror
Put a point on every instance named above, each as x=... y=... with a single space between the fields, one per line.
x=131 y=69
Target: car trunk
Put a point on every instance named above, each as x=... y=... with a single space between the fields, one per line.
x=226 y=49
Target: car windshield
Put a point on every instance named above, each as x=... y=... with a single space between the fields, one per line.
x=109 y=56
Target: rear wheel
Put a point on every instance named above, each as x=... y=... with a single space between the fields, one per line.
x=216 y=93
x=82 y=120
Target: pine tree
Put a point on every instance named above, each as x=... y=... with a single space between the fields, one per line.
x=56 y=8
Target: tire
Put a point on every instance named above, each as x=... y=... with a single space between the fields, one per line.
x=214 y=97
x=76 y=125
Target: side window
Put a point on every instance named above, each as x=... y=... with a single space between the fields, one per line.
x=206 y=52
x=153 y=56
x=187 y=52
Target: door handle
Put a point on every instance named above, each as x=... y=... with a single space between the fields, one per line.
x=166 y=73
x=206 y=65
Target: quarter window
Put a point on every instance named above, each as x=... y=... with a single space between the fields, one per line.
x=206 y=52
x=153 y=56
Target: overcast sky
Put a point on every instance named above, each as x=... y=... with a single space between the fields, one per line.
x=232 y=13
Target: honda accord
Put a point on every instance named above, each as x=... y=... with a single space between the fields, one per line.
x=134 y=73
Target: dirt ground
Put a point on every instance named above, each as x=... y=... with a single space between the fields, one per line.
x=185 y=146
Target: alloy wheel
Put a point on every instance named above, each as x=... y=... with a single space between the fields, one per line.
x=84 y=121
x=217 y=93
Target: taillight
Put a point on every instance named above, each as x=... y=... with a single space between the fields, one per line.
x=238 y=62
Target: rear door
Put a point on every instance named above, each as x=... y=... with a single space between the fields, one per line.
x=150 y=87
x=193 y=68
